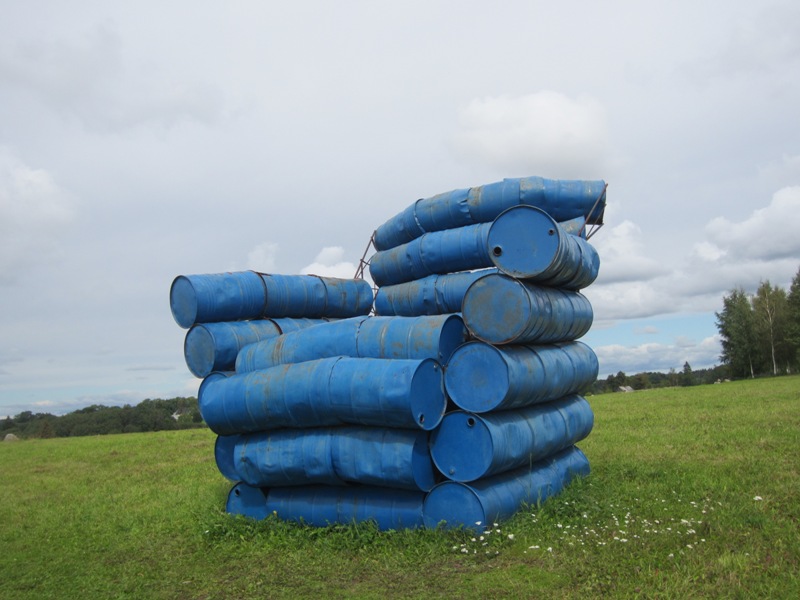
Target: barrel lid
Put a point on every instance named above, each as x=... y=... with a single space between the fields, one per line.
x=421 y=463
x=462 y=447
x=224 y=455
x=199 y=350
x=183 y=301
x=476 y=377
x=428 y=401
x=454 y=504
x=496 y=309
x=453 y=334
x=523 y=241
x=213 y=412
x=247 y=501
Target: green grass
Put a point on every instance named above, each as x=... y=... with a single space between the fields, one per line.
x=695 y=492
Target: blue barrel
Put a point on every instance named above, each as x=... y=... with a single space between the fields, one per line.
x=523 y=242
x=213 y=346
x=561 y=199
x=432 y=295
x=480 y=377
x=217 y=297
x=396 y=458
x=321 y=506
x=326 y=340
x=313 y=296
x=435 y=336
x=247 y=501
x=331 y=391
x=501 y=310
x=438 y=252
x=493 y=499
x=286 y=457
x=250 y=295
x=467 y=446
x=526 y=243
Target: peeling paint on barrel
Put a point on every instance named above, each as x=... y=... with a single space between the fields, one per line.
x=430 y=336
x=468 y=446
x=496 y=498
x=330 y=391
x=481 y=377
x=501 y=310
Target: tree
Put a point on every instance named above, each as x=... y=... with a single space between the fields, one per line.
x=736 y=325
x=687 y=378
x=793 y=321
x=770 y=310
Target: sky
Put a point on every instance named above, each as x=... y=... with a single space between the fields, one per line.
x=142 y=141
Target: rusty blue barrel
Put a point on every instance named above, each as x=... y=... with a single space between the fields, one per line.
x=562 y=199
x=432 y=295
x=321 y=506
x=526 y=243
x=501 y=310
x=437 y=252
x=326 y=340
x=325 y=392
x=217 y=297
x=481 y=377
x=523 y=241
x=313 y=296
x=467 y=446
x=249 y=295
x=214 y=346
x=396 y=458
x=434 y=336
x=286 y=457
x=480 y=503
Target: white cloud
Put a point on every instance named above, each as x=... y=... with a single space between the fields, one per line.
x=658 y=357
x=646 y=330
x=758 y=46
x=622 y=251
x=783 y=172
x=769 y=233
x=628 y=300
x=707 y=251
x=545 y=132
x=330 y=263
x=88 y=79
x=262 y=258
x=765 y=246
x=33 y=212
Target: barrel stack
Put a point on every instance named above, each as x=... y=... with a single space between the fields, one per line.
x=456 y=402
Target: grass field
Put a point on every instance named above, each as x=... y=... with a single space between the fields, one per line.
x=695 y=492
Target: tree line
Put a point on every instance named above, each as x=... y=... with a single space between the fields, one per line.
x=761 y=332
x=655 y=379
x=148 y=415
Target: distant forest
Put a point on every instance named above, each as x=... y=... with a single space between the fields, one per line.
x=148 y=415
x=650 y=379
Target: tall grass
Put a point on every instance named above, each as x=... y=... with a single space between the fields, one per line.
x=695 y=492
